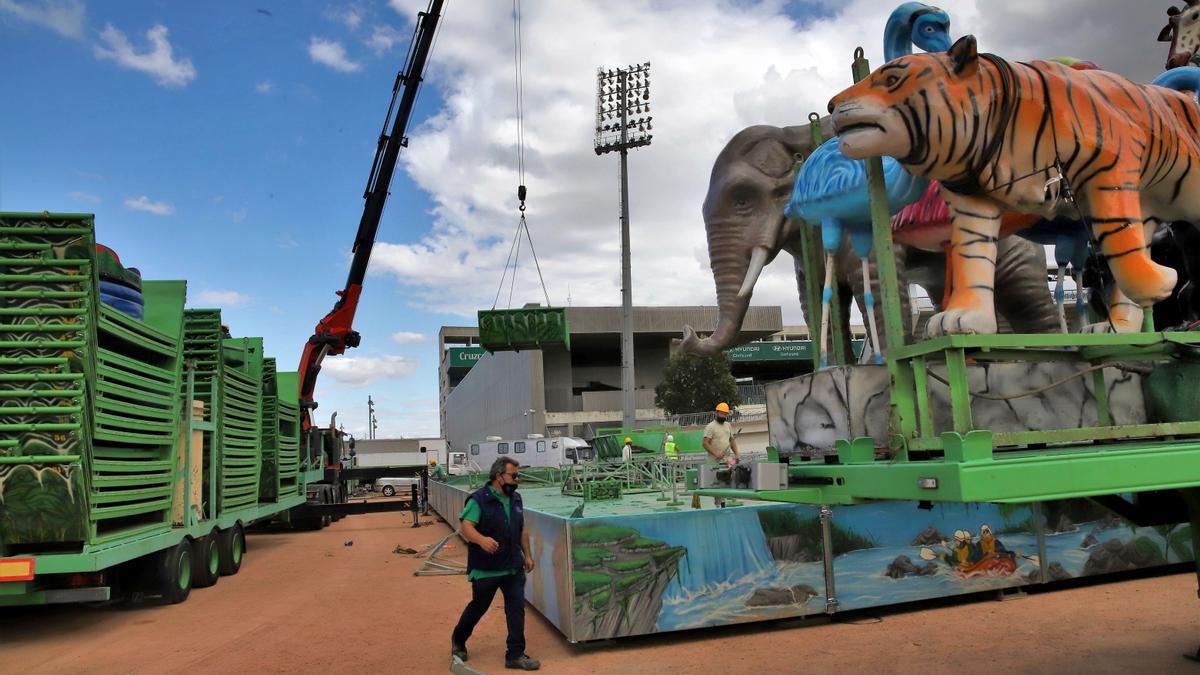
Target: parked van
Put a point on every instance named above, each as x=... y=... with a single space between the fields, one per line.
x=531 y=452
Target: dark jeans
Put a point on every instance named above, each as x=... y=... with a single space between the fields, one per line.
x=483 y=591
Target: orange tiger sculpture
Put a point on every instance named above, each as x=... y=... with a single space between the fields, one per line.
x=994 y=134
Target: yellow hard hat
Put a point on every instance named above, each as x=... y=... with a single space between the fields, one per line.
x=723 y=407
x=432 y=462
x=628 y=439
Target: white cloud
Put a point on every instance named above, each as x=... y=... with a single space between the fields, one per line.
x=144 y=203
x=159 y=62
x=332 y=54
x=383 y=38
x=288 y=242
x=408 y=338
x=223 y=298
x=238 y=216
x=264 y=87
x=717 y=67
x=85 y=197
x=359 y=371
x=350 y=17
x=65 y=17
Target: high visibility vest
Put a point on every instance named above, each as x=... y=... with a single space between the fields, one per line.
x=670 y=449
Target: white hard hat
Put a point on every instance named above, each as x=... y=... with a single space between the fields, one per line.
x=670 y=438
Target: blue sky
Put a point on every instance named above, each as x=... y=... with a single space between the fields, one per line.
x=256 y=163
x=229 y=147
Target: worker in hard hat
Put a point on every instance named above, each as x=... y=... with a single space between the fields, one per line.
x=719 y=442
x=436 y=470
x=670 y=449
x=627 y=451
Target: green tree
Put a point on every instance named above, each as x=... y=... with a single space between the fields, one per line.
x=695 y=384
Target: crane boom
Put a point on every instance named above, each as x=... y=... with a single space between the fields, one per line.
x=335 y=332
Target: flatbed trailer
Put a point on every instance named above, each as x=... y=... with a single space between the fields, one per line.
x=135 y=452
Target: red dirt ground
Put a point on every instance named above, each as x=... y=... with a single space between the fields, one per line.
x=305 y=602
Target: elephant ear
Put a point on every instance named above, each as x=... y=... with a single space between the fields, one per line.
x=770 y=157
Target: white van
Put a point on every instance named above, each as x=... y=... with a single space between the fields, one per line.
x=531 y=452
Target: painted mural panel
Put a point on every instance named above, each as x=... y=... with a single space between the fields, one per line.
x=812 y=412
x=548 y=587
x=1084 y=539
x=915 y=554
x=42 y=503
x=647 y=572
x=673 y=571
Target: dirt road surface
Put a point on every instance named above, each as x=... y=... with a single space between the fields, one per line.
x=306 y=602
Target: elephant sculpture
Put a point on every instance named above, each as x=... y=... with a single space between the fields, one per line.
x=743 y=212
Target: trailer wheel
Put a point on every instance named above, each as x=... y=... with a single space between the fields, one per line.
x=206 y=560
x=389 y=491
x=231 y=546
x=173 y=573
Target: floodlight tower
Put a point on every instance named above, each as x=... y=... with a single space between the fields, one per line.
x=371 y=425
x=620 y=95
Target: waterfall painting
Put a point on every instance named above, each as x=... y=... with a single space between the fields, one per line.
x=655 y=572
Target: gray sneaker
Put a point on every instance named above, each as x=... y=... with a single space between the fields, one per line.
x=523 y=663
x=458 y=651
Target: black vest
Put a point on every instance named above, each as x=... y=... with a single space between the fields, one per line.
x=507 y=533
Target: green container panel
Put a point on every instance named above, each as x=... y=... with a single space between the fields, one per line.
x=523 y=329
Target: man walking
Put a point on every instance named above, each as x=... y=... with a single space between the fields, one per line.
x=720 y=444
x=493 y=524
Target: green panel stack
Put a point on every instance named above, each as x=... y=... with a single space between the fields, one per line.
x=135 y=413
x=202 y=350
x=287 y=386
x=89 y=397
x=268 y=485
x=521 y=329
x=47 y=329
x=240 y=422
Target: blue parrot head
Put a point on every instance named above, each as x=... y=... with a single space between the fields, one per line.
x=931 y=30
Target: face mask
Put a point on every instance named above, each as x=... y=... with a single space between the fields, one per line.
x=508 y=489
x=721 y=419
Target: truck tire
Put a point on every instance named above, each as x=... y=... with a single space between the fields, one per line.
x=389 y=491
x=231 y=547
x=173 y=573
x=206 y=560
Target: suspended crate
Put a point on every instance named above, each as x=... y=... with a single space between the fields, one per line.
x=507 y=330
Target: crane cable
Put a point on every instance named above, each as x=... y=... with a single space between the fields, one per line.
x=514 y=251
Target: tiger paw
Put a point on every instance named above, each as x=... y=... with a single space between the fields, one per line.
x=1123 y=317
x=961 y=322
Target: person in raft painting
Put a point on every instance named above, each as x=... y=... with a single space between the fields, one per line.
x=720 y=444
x=493 y=523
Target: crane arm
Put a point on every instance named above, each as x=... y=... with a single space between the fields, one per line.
x=335 y=332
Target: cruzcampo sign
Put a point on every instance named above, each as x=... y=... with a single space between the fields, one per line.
x=465 y=357
x=790 y=350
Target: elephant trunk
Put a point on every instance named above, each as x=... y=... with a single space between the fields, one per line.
x=732 y=265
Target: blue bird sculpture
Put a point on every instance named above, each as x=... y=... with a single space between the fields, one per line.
x=832 y=190
x=915 y=23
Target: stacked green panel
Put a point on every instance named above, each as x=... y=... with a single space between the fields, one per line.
x=47 y=332
x=240 y=422
x=89 y=397
x=202 y=351
x=135 y=413
x=268 y=485
x=287 y=385
x=523 y=329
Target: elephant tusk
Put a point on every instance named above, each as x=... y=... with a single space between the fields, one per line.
x=758 y=259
